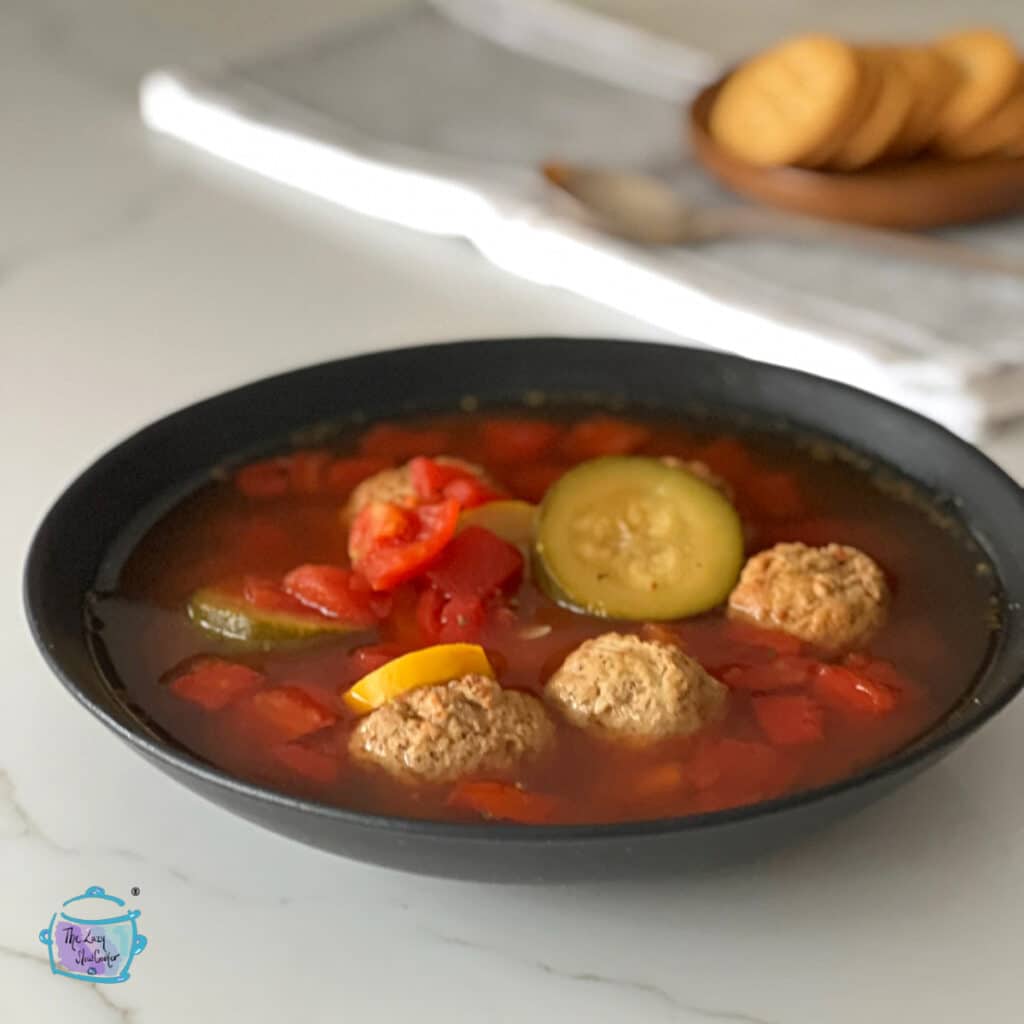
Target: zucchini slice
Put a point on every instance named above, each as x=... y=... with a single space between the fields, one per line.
x=229 y=616
x=511 y=520
x=629 y=537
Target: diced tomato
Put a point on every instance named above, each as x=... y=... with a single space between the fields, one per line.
x=402 y=627
x=739 y=771
x=782 y=673
x=733 y=644
x=530 y=482
x=731 y=758
x=380 y=522
x=462 y=619
x=506 y=618
x=852 y=692
x=470 y=492
x=342 y=475
x=401 y=443
x=379 y=602
x=659 y=633
x=213 y=683
x=504 y=802
x=729 y=458
x=774 y=495
x=603 y=435
x=368 y=659
x=517 y=440
x=308 y=470
x=309 y=764
x=790 y=720
x=268 y=595
x=476 y=563
x=428 y=615
x=758 y=636
x=267 y=478
x=717 y=658
x=712 y=646
x=657 y=781
x=387 y=561
x=429 y=477
x=291 y=711
x=333 y=592
x=435 y=481
x=883 y=673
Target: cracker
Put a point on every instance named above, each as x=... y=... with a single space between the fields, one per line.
x=883 y=122
x=867 y=94
x=933 y=77
x=782 y=105
x=1002 y=132
x=1015 y=147
x=988 y=65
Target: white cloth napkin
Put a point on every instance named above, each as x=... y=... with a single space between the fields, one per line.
x=436 y=119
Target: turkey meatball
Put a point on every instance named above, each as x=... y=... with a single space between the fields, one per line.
x=633 y=689
x=469 y=726
x=834 y=597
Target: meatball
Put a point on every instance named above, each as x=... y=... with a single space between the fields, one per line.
x=395 y=485
x=634 y=689
x=833 y=597
x=464 y=727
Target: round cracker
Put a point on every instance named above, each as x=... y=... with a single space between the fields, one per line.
x=883 y=122
x=785 y=103
x=867 y=94
x=987 y=61
x=1000 y=132
x=1015 y=147
x=933 y=77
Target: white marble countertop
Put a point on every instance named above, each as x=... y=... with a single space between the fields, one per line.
x=135 y=278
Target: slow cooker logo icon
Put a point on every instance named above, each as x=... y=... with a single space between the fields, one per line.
x=93 y=938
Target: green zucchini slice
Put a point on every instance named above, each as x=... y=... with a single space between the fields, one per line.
x=229 y=616
x=510 y=520
x=629 y=537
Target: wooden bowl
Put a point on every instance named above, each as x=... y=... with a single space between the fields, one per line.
x=922 y=193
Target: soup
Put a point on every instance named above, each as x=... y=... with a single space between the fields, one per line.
x=547 y=619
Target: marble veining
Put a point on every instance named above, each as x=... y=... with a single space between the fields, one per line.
x=17 y=823
x=120 y=1013
x=95 y=993
x=646 y=989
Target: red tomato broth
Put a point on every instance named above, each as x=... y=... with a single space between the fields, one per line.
x=936 y=635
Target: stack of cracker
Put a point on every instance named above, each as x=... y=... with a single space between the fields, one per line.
x=817 y=101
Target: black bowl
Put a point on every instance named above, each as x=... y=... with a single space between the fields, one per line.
x=137 y=478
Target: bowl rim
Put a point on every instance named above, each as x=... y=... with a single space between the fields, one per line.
x=180 y=760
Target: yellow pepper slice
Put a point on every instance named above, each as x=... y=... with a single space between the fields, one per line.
x=511 y=520
x=427 y=667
